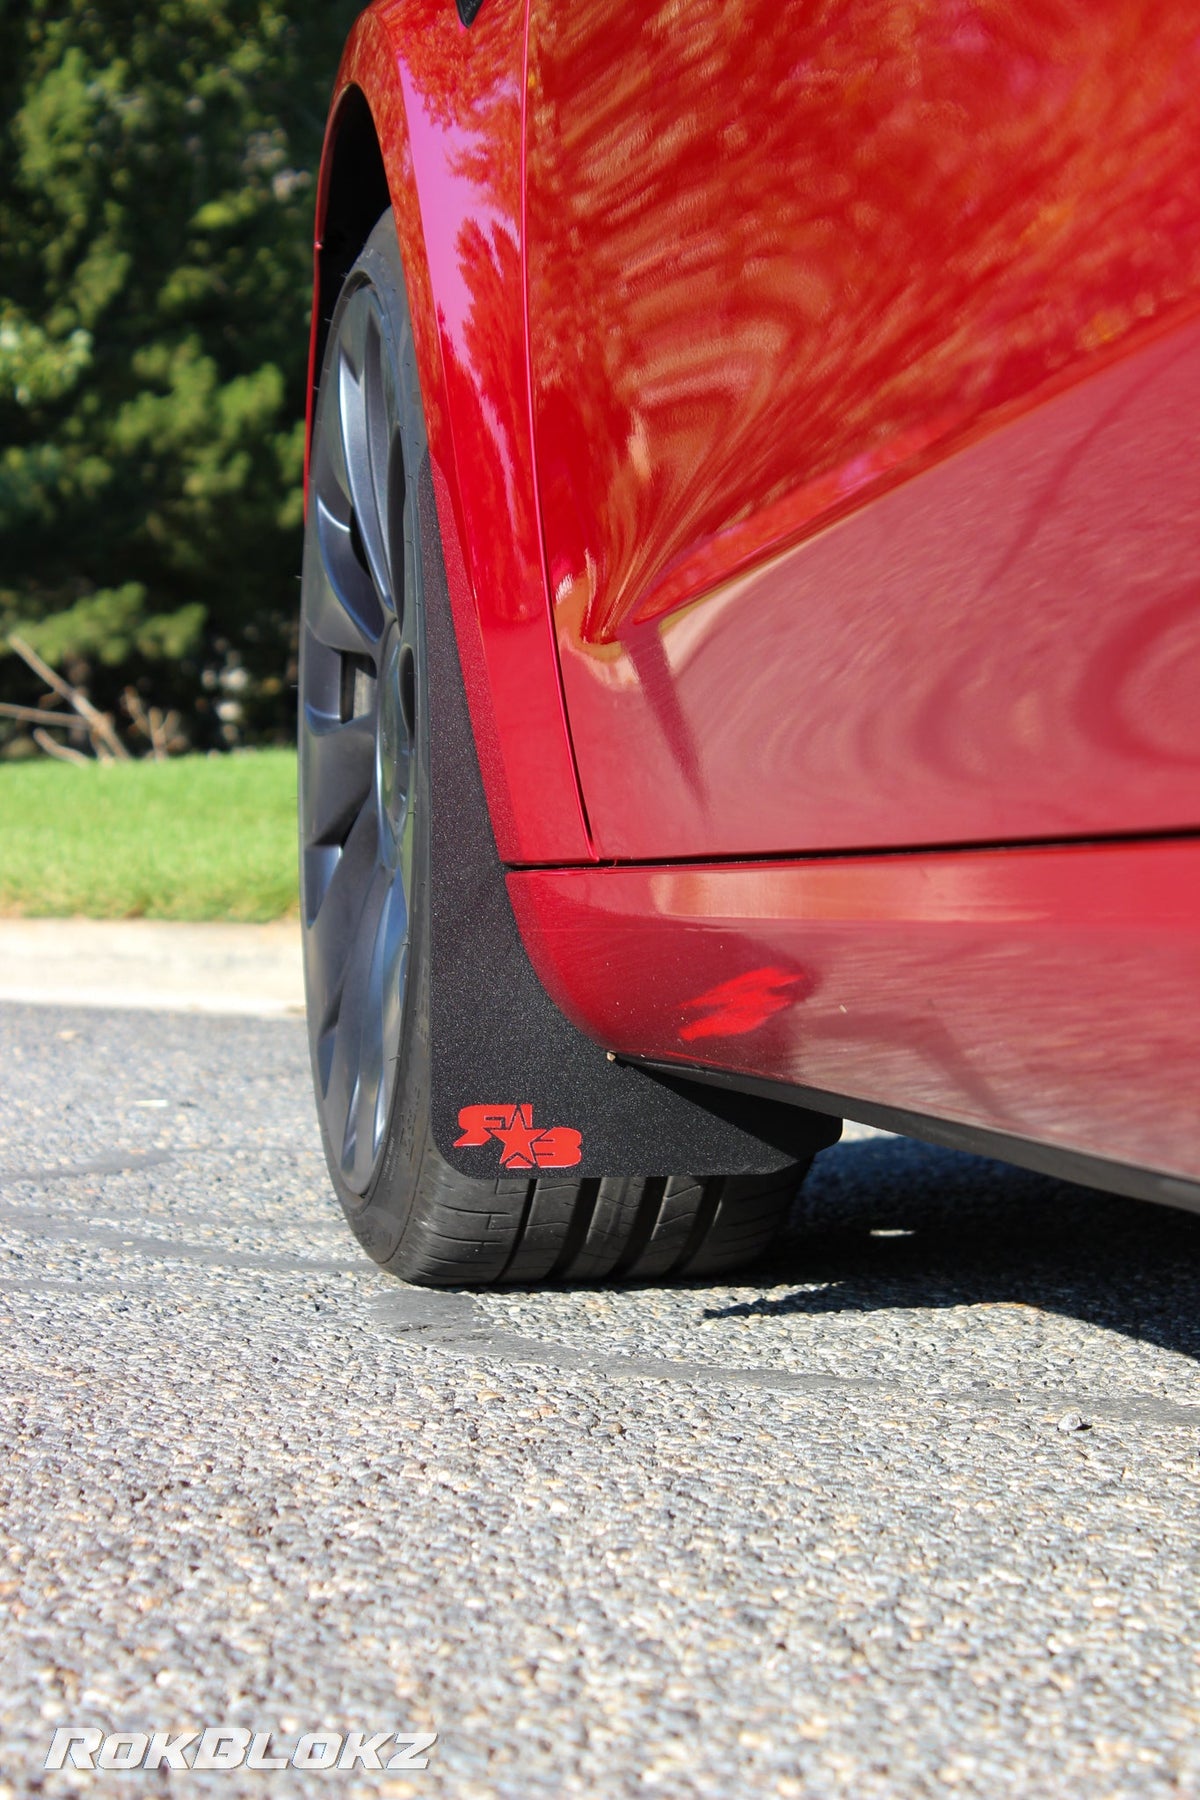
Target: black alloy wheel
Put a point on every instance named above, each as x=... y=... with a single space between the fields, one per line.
x=358 y=701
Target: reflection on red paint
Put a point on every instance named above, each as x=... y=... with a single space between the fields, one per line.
x=1049 y=993
x=768 y=253
x=733 y=1008
x=782 y=261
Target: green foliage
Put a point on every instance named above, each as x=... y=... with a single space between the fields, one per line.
x=199 y=837
x=156 y=192
x=113 y=625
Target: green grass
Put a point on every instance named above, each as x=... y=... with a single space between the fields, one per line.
x=200 y=837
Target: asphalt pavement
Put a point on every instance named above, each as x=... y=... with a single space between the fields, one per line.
x=912 y=1510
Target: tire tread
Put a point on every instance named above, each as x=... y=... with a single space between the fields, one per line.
x=466 y=1233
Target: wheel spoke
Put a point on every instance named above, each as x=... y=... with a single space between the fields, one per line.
x=371 y=1090
x=318 y=865
x=342 y=609
x=344 y=1066
x=379 y=428
x=333 y=932
x=353 y=1024
x=402 y=855
x=380 y=1035
x=394 y=959
x=359 y=454
x=337 y=769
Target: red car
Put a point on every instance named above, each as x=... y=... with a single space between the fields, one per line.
x=750 y=665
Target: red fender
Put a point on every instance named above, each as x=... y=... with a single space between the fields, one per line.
x=445 y=104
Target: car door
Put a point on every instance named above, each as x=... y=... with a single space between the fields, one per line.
x=865 y=394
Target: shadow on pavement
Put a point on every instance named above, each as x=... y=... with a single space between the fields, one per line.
x=959 y=1230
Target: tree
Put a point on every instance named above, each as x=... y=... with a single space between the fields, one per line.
x=156 y=192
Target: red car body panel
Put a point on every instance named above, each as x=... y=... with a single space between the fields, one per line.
x=779 y=266
x=1005 y=646
x=811 y=403
x=446 y=104
x=1048 y=993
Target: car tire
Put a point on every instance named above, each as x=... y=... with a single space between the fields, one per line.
x=365 y=808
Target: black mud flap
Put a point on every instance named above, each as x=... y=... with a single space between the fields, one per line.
x=513 y=1078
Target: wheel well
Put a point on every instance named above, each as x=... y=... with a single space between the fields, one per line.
x=355 y=196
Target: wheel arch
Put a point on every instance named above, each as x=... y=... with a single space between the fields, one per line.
x=401 y=69
x=353 y=193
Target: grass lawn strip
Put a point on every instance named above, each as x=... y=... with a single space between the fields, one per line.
x=199 y=837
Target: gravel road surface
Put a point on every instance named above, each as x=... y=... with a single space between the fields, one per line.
x=911 y=1511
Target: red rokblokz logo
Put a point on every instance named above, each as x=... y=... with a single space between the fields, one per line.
x=523 y=1145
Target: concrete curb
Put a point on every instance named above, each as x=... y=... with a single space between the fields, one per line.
x=155 y=965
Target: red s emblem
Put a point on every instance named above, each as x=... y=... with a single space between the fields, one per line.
x=523 y=1145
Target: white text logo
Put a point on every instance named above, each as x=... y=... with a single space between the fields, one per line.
x=236 y=1747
